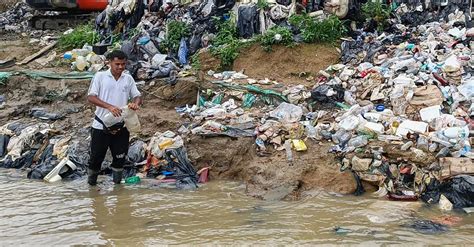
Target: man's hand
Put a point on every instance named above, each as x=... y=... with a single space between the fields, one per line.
x=133 y=106
x=117 y=112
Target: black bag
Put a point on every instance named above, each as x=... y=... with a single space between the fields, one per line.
x=114 y=129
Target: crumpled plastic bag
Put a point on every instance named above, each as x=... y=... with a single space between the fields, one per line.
x=166 y=140
x=183 y=52
x=287 y=113
x=136 y=152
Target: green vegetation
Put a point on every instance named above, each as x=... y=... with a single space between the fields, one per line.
x=262 y=4
x=226 y=45
x=195 y=62
x=328 y=30
x=276 y=35
x=377 y=11
x=81 y=35
x=175 y=31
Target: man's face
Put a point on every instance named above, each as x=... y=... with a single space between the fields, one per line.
x=117 y=66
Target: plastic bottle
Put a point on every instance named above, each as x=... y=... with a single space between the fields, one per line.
x=341 y=136
x=406 y=146
x=422 y=143
x=432 y=148
x=289 y=153
x=110 y=120
x=358 y=141
x=442 y=153
x=81 y=63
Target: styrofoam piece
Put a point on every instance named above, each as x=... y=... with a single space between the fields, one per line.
x=429 y=113
x=411 y=126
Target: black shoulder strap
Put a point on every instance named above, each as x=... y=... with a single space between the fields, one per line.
x=100 y=121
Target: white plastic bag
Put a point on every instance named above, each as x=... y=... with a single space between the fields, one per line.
x=130 y=117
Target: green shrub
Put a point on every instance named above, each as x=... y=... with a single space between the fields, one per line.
x=195 y=62
x=269 y=38
x=81 y=35
x=377 y=11
x=175 y=31
x=327 y=30
x=226 y=45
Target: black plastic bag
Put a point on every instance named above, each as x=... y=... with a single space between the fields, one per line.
x=248 y=22
x=178 y=162
x=459 y=191
x=45 y=165
x=427 y=227
x=4 y=139
x=320 y=94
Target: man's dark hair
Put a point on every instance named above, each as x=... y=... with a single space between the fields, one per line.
x=116 y=54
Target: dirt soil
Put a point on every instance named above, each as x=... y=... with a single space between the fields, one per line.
x=270 y=178
x=289 y=65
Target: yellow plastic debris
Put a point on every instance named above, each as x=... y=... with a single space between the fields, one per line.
x=299 y=145
x=166 y=144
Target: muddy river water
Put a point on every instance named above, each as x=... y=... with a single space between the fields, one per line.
x=71 y=213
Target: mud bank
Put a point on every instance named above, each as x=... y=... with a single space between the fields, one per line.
x=270 y=177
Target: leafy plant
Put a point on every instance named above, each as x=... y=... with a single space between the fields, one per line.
x=175 y=31
x=195 y=62
x=81 y=35
x=262 y=4
x=377 y=11
x=331 y=29
x=276 y=35
x=327 y=30
x=226 y=45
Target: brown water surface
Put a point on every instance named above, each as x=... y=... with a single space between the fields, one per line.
x=71 y=213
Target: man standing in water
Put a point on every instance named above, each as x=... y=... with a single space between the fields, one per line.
x=109 y=91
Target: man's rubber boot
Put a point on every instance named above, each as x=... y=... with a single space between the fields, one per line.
x=92 y=177
x=117 y=175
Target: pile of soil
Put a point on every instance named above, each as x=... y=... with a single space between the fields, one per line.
x=289 y=65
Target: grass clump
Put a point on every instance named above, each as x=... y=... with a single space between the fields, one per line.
x=81 y=35
x=328 y=30
x=175 y=31
x=276 y=35
x=377 y=11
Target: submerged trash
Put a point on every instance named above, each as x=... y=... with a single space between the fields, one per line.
x=427 y=227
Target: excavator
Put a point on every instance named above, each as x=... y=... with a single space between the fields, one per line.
x=68 y=12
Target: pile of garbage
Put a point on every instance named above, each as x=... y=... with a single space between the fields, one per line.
x=16 y=19
x=239 y=108
x=406 y=108
x=160 y=39
x=399 y=111
x=46 y=153
x=85 y=59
